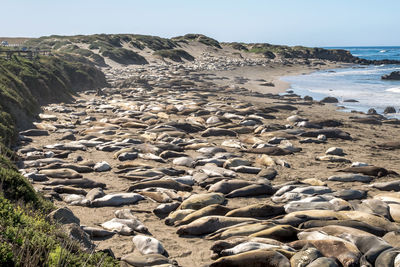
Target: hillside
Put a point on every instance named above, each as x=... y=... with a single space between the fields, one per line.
x=132 y=49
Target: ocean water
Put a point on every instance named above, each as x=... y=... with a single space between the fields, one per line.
x=359 y=82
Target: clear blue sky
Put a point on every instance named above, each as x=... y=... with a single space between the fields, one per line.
x=292 y=22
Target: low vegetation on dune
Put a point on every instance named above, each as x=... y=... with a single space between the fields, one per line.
x=124 y=56
x=174 y=54
x=199 y=38
x=273 y=51
x=126 y=48
x=25 y=84
x=26 y=237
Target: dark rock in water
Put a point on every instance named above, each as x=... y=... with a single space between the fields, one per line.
x=389 y=110
x=372 y=111
x=395 y=75
x=308 y=98
x=350 y=101
x=330 y=99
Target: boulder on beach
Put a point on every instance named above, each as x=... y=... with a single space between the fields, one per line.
x=389 y=110
x=330 y=99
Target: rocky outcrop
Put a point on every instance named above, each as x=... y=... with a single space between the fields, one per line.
x=395 y=75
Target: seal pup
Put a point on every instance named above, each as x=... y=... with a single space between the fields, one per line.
x=148 y=245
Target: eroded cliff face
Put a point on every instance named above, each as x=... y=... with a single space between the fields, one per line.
x=26 y=84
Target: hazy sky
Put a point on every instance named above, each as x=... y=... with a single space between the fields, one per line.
x=292 y=22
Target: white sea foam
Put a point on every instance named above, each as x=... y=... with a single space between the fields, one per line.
x=393 y=90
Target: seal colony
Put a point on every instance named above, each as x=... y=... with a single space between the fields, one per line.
x=177 y=166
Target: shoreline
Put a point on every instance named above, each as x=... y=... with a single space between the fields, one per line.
x=271 y=73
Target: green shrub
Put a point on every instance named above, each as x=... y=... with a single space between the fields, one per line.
x=27 y=238
x=200 y=38
x=174 y=54
x=124 y=56
x=154 y=42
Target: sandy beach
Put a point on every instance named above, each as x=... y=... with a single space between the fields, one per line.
x=195 y=250
x=169 y=150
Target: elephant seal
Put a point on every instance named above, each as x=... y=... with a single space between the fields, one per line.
x=387 y=186
x=305 y=257
x=323 y=262
x=252 y=190
x=265 y=258
x=61 y=173
x=160 y=197
x=145 y=260
x=210 y=224
x=136 y=224
x=249 y=246
x=121 y=226
x=75 y=167
x=346 y=252
x=199 y=201
x=369 y=170
x=164 y=209
x=148 y=245
x=392 y=238
x=387 y=258
x=95 y=193
x=218 y=132
x=371 y=219
x=350 y=194
x=168 y=184
x=214 y=209
x=270 y=151
x=298 y=217
x=227 y=186
x=69 y=190
x=94 y=232
x=240 y=230
x=351 y=177
x=220 y=245
x=178 y=215
x=339 y=231
x=282 y=233
x=81 y=182
x=373 y=206
x=260 y=211
x=371 y=246
x=117 y=199
x=348 y=223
